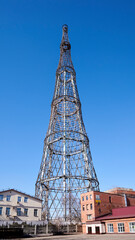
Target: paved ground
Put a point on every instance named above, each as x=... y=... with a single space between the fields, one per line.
x=89 y=237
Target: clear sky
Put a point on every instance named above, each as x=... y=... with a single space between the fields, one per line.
x=102 y=36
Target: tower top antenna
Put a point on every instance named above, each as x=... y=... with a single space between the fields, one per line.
x=65 y=28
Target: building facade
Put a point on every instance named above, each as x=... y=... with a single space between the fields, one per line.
x=121 y=220
x=18 y=206
x=96 y=205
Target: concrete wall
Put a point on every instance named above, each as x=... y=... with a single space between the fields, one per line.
x=42 y=228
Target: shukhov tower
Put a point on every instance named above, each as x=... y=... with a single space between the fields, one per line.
x=66 y=168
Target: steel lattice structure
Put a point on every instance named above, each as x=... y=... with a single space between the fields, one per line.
x=66 y=169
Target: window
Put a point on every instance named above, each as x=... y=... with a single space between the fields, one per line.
x=121 y=227
x=1 y=197
x=90 y=196
x=19 y=199
x=91 y=206
x=35 y=212
x=82 y=198
x=132 y=226
x=97 y=197
x=98 y=203
x=25 y=199
x=26 y=212
x=18 y=211
x=99 y=210
x=110 y=228
x=7 y=211
x=87 y=206
x=8 y=198
x=0 y=210
x=89 y=217
x=110 y=200
x=83 y=208
x=87 y=197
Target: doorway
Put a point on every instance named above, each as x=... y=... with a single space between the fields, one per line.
x=89 y=230
x=97 y=230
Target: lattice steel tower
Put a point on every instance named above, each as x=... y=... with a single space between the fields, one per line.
x=66 y=169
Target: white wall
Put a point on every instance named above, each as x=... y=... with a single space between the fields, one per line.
x=93 y=226
x=32 y=204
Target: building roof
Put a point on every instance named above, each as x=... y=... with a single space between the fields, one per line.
x=115 y=191
x=119 y=189
x=11 y=189
x=125 y=212
x=98 y=192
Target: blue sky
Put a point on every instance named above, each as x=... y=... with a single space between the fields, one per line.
x=102 y=40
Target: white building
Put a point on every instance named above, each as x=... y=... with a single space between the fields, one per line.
x=18 y=206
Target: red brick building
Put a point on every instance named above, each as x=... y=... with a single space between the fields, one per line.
x=122 y=220
x=98 y=209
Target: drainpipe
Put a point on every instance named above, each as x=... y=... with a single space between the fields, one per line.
x=125 y=198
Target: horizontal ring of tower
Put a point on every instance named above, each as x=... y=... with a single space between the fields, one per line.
x=74 y=146
x=63 y=134
x=67 y=98
x=72 y=105
x=67 y=80
x=65 y=46
x=73 y=188
x=68 y=68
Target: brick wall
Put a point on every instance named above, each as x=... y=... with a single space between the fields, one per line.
x=86 y=200
x=105 y=204
x=100 y=206
x=115 y=224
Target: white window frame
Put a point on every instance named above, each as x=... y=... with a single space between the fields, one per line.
x=8 y=198
x=121 y=227
x=19 y=199
x=1 y=197
x=110 y=228
x=90 y=196
x=26 y=212
x=132 y=227
x=1 y=208
x=19 y=211
x=8 y=211
x=97 y=197
x=35 y=211
x=89 y=216
x=25 y=199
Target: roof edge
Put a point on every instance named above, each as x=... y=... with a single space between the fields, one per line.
x=15 y=190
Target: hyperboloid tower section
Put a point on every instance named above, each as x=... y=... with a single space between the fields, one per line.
x=66 y=168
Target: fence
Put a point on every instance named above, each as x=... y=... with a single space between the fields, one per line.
x=35 y=228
